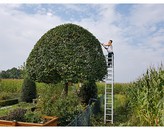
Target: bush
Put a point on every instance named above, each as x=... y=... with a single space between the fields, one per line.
x=8 y=102
x=33 y=117
x=87 y=91
x=28 y=90
x=66 y=108
x=16 y=114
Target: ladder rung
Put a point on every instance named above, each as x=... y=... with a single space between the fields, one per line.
x=109 y=103
x=108 y=120
x=108 y=82
x=110 y=69
x=109 y=114
x=108 y=88
x=109 y=108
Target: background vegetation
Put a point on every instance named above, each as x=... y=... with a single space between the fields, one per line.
x=135 y=104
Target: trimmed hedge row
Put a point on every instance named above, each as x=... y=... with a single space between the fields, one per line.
x=8 y=102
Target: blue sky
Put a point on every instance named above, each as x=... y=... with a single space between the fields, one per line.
x=137 y=31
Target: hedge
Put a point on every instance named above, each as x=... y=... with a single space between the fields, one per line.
x=8 y=102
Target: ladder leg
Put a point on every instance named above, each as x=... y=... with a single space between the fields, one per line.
x=109 y=84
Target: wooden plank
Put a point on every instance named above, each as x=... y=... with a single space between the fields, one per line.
x=28 y=124
x=51 y=122
x=6 y=123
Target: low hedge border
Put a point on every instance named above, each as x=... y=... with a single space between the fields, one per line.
x=8 y=102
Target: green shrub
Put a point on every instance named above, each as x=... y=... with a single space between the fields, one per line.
x=33 y=117
x=87 y=91
x=28 y=90
x=67 y=109
x=8 y=102
x=16 y=114
x=52 y=103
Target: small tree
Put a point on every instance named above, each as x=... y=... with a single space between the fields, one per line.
x=88 y=91
x=28 y=90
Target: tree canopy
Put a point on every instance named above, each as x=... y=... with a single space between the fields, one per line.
x=11 y=73
x=67 y=52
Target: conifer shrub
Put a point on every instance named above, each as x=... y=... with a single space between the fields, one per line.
x=88 y=91
x=28 y=90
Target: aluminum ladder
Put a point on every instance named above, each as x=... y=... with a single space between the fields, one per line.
x=109 y=83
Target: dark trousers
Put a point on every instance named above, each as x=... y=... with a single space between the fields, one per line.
x=110 y=58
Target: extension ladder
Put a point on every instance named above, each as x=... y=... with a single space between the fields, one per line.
x=109 y=82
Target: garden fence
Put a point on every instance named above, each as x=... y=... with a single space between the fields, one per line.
x=83 y=119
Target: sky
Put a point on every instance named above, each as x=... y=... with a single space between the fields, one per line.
x=137 y=31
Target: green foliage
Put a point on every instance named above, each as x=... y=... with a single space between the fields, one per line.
x=33 y=117
x=5 y=95
x=11 y=73
x=53 y=103
x=67 y=109
x=121 y=88
x=67 y=52
x=11 y=85
x=146 y=98
x=120 y=109
x=28 y=90
x=16 y=114
x=87 y=91
x=8 y=102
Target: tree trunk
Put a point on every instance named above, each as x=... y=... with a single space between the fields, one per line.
x=66 y=89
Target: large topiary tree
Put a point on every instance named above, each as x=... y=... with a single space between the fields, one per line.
x=67 y=52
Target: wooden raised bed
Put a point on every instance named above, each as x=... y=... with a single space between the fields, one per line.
x=52 y=121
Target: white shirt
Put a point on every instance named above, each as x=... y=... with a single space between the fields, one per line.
x=110 y=49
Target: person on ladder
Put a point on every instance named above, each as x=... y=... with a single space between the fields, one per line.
x=108 y=46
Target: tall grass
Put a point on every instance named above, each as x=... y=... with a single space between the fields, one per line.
x=119 y=88
x=146 y=98
x=11 y=85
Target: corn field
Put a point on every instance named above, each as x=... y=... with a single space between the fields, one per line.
x=146 y=98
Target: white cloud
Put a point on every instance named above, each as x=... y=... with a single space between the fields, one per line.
x=19 y=32
x=138 y=41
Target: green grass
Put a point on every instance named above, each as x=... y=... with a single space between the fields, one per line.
x=11 y=85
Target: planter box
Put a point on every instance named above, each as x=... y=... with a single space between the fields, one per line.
x=51 y=121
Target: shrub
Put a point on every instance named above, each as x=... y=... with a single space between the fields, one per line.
x=87 y=91
x=33 y=117
x=16 y=114
x=67 y=109
x=28 y=90
x=52 y=103
x=8 y=102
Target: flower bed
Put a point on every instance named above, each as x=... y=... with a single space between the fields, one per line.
x=49 y=121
